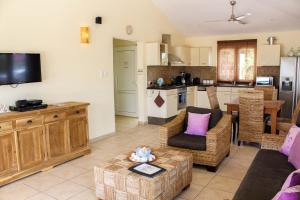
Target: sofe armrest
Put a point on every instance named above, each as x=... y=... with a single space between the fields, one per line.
x=172 y=128
x=219 y=136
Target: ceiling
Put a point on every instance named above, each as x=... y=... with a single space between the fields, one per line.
x=190 y=16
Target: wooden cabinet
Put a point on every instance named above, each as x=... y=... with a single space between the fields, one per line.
x=57 y=139
x=8 y=156
x=31 y=147
x=78 y=130
x=268 y=55
x=36 y=140
x=201 y=56
x=203 y=101
x=154 y=53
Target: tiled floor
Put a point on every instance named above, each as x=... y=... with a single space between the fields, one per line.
x=74 y=180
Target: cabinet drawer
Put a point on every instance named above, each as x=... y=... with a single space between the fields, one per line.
x=6 y=126
x=52 y=117
x=224 y=89
x=80 y=112
x=29 y=122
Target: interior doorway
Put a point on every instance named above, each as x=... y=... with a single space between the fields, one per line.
x=125 y=84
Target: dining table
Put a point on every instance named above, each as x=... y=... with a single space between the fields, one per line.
x=271 y=107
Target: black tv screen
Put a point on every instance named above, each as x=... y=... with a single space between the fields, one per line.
x=17 y=68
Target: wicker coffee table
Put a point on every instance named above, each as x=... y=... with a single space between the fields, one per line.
x=115 y=182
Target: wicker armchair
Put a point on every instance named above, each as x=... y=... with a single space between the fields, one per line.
x=217 y=141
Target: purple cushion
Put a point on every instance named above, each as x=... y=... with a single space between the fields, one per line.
x=197 y=124
x=289 y=140
x=294 y=157
x=292 y=193
x=292 y=180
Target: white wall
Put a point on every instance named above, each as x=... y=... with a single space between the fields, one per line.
x=287 y=39
x=71 y=71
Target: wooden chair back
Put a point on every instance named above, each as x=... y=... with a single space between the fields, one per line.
x=296 y=113
x=270 y=92
x=212 y=97
x=251 y=114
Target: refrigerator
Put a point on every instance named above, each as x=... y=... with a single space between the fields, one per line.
x=289 y=84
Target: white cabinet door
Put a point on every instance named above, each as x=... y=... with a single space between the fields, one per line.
x=195 y=56
x=223 y=97
x=153 y=56
x=203 y=101
x=190 y=99
x=269 y=55
x=183 y=53
x=205 y=56
x=153 y=109
x=172 y=105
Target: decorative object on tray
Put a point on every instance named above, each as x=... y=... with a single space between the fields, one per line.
x=4 y=108
x=292 y=52
x=142 y=155
x=147 y=169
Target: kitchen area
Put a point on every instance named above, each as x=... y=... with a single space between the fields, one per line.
x=177 y=77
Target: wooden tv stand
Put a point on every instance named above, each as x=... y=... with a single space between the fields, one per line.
x=36 y=140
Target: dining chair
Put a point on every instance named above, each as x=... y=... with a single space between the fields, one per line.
x=270 y=92
x=251 y=116
x=214 y=104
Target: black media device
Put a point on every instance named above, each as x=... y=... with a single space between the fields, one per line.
x=28 y=105
x=18 y=68
x=98 y=20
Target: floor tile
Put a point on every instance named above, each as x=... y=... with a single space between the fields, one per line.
x=86 y=180
x=213 y=194
x=225 y=184
x=86 y=195
x=67 y=171
x=16 y=191
x=42 y=181
x=202 y=177
x=191 y=193
x=40 y=196
x=65 y=190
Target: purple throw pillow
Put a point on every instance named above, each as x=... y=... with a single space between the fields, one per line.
x=292 y=180
x=294 y=157
x=197 y=124
x=292 y=193
x=289 y=140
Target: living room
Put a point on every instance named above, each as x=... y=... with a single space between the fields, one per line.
x=70 y=140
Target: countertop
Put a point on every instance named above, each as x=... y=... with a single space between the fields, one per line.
x=201 y=87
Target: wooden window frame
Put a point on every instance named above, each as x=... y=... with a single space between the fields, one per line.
x=236 y=45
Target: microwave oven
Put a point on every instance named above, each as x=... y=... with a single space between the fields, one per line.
x=264 y=80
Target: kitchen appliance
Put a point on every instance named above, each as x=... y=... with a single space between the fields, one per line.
x=166 y=56
x=271 y=40
x=188 y=79
x=182 y=93
x=196 y=81
x=289 y=85
x=264 y=80
x=17 y=68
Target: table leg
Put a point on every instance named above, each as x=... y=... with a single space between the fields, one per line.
x=274 y=122
x=229 y=110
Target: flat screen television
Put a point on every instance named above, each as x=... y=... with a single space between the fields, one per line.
x=18 y=68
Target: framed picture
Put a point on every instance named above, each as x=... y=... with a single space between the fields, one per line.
x=147 y=169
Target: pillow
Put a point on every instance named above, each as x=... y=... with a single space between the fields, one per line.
x=292 y=193
x=294 y=157
x=292 y=180
x=197 y=124
x=289 y=140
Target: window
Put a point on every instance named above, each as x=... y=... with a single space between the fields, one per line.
x=237 y=60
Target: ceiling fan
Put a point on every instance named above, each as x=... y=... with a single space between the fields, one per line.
x=233 y=18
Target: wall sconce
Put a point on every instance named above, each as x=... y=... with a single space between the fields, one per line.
x=84 y=35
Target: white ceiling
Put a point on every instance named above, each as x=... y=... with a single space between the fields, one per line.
x=190 y=16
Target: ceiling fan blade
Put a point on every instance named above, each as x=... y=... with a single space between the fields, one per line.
x=240 y=17
x=241 y=22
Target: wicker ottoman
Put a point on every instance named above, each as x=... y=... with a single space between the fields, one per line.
x=115 y=182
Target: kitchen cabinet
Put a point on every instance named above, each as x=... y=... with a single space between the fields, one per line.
x=269 y=55
x=184 y=53
x=203 y=101
x=31 y=147
x=168 y=109
x=190 y=97
x=154 y=53
x=201 y=56
x=37 y=140
x=8 y=157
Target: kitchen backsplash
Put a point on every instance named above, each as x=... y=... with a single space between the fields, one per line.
x=204 y=73
x=167 y=72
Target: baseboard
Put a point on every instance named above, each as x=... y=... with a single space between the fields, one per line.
x=101 y=137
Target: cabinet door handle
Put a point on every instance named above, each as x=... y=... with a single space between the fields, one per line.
x=0 y=127
x=55 y=116
x=29 y=122
x=77 y=112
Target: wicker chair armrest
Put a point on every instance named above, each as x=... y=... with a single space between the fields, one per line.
x=219 y=136
x=172 y=128
x=273 y=142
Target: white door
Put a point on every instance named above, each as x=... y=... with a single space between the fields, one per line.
x=125 y=81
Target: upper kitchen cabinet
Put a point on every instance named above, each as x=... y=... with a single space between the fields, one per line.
x=201 y=56
x=183 y=53
x=155 y=52
x=268 y=55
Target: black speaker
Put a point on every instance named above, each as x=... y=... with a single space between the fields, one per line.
x=98 y=20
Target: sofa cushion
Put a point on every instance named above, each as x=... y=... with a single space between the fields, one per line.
x=265 y=176
x=193 y=142
x=197 y=124
x=289 y=140
x=216 y=115
x=294 y=157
